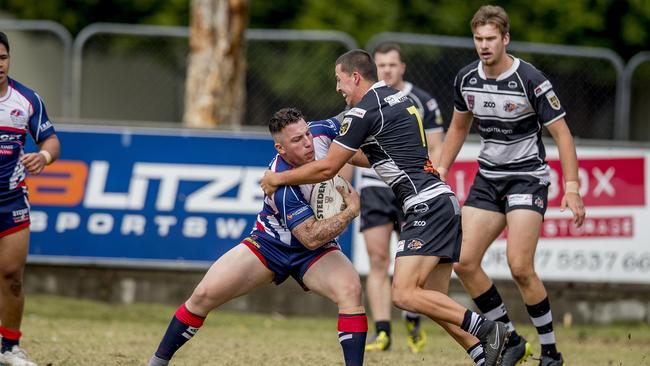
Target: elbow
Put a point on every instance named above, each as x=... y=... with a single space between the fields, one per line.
x=328 y=173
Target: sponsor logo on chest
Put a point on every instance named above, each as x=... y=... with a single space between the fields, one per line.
x=18 y=118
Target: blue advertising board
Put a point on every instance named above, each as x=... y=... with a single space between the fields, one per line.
x=133 y=195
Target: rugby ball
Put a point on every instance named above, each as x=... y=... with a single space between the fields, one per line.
x=325 y=200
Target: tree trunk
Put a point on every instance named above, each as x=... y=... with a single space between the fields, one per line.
x=215 y=86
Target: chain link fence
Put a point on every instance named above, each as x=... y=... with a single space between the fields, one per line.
x=138 y=73
x=637 y=76
x=584 y=79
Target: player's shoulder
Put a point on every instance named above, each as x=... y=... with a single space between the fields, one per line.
x=328 y=126
x=23 y=90
x=279 y=165
x=468 y=69
x=420 y=93
x=528 y=71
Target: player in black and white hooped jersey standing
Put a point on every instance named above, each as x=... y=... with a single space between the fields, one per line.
x=511 y=101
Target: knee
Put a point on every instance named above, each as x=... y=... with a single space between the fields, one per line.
x=13 y=280
x=466 y=267
x=349 y=292
x=522 y=273
x=402 y=298
x=202 y=296
x=379 y=262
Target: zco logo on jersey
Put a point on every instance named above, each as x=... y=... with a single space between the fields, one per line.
x=345 y=126
x=395 y=98
x=489 y=104
x=553 y=100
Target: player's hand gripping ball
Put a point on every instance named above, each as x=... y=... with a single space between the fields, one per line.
x=325 y=200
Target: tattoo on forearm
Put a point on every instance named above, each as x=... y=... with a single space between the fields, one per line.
x=326 y=230
x=323 y=231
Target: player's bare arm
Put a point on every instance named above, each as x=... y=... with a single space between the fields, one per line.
x=314 y=172
x=49 y=151
x=461 y=122
x=569 y=160
x=313 y=233
x=434 y=145
x=359 y=159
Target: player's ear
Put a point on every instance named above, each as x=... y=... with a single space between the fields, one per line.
x=506 y=38
x=279 y=148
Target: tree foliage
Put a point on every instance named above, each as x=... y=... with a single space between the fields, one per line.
x=622 y=25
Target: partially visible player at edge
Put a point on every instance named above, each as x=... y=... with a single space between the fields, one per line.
x=380 y=211
x=286 y=241
x=510 y=100
x=21 y=111
x=387 y=127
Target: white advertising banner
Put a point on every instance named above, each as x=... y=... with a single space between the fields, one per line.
x=612 y=246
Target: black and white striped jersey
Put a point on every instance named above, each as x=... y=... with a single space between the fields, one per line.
x=387 y=127
x=509 y=112
x=431 y=119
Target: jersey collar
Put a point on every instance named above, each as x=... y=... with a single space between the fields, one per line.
x=505 y=75
x=407 y=88
x=378 y=84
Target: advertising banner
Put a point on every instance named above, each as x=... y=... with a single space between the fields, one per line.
x=614 y=243
x=127 y=195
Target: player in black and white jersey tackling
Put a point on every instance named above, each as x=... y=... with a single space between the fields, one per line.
x=381 y=214
x=387 y=127
x=510 y=100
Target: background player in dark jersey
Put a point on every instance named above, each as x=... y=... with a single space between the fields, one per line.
x=21 y=111
x=387 y=127
x=510 y=100
x=380 y=212
x=286 y=241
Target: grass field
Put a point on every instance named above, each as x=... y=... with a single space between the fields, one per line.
x=68 y=332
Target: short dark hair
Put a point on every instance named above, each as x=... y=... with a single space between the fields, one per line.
x=491 y=14
x=359 y=61
x=284 y=117
x=4 y=40
x=387 y=47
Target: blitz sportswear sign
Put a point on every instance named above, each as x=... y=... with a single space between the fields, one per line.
x=138 y=194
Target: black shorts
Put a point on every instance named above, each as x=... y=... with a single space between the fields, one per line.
x=510 y=193
x=433 y=229
x=378 y=207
